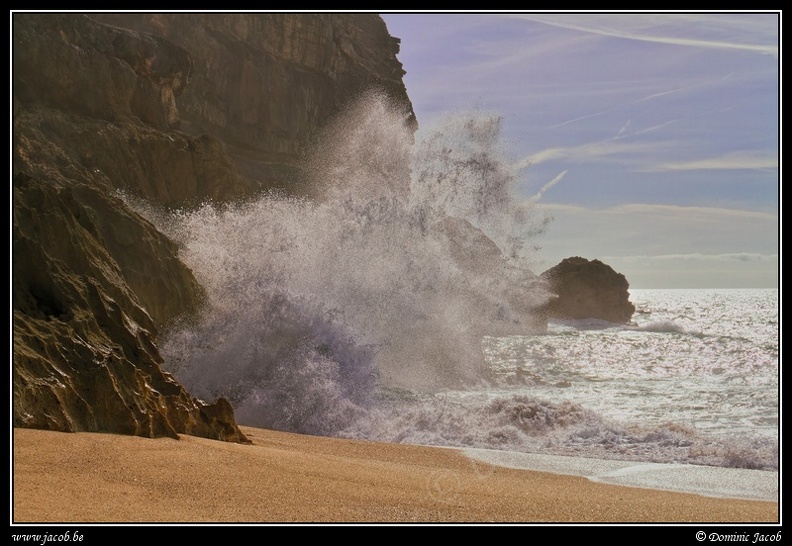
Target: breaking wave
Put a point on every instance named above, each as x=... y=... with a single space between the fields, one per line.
x=389 y=276
x=363 y=310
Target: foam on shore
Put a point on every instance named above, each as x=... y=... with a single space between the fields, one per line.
x=711 y=481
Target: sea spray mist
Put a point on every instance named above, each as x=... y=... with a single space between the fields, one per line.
x=388 y=275
x=396 y=303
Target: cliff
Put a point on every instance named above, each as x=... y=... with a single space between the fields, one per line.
x=177 y=109
x=262 y=84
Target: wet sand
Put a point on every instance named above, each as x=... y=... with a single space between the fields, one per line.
x=282 y=477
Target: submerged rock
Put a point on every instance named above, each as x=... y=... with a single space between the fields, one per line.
x=588 y=289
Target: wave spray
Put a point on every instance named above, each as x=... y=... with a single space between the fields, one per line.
x=395 y=302
x=387 y=276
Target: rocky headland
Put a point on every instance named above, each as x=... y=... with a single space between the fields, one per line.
x=175 y=109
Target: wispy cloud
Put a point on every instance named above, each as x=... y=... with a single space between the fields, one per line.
x=673 y=212
x=698 y=256
x=580 y=118
x=624 y=152
x=730 y=161
x=624 y=128
x=660 y=229
x=669 y=92
x=692 y=211
x=672 y=29
x=669 y=245
x=699 y=270
x=675 y=108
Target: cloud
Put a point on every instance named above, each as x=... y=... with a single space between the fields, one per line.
x=690 y=98
x=711 y=31
x=624 y=128
x=699 y=270
x=698 y=256
x=729 y=161
x=580 y=118
x=659 y=230
x=593 y=151
x=672 y=91
x=663 y=210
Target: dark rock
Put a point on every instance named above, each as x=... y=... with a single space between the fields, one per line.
x=203 y=107
x=262 y=83
x=474 y=252
x=70 y=62
x=97 y=105
x=588 y=289
x=84 y=352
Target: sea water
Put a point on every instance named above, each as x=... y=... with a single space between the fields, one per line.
x=400 y=304
x=694 y=378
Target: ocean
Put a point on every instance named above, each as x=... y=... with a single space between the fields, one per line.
x=399 y=305
x=694 y=378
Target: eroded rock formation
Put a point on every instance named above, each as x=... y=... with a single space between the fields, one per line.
x=264 y=83
x=588 y=289
x=202 y=107
x=98 y=103
x=93 y=281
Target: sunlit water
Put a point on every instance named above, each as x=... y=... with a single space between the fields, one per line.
x=704 y=358
x=693 y=378
x=399 y=305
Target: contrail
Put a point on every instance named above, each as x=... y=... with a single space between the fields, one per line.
x=624 y=128
x=579 y=119
x=549 y=185
x=766 y=49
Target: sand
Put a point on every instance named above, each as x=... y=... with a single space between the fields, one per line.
x=282 y=477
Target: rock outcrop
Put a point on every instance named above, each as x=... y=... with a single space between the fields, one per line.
x=202 y=107
x=263 y=83
x=588 y=289
x=84 y=352
x=92 y=280
x=480 y=258
x=98 y=102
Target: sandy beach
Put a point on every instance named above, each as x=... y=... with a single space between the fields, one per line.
x=281 y=477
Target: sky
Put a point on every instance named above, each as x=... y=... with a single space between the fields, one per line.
x=651 y=139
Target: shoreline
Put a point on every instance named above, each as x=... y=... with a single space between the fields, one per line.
x=709 y=481
x=290 y=478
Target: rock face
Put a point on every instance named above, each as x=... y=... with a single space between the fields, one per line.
x=204 y=107
x=262 y=83
x=588 y=289
x=474 y=252
x=99 y=103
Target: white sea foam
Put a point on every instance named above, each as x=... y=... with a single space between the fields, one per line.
x=385 y=277
x=397 y=304
x=704 y=480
